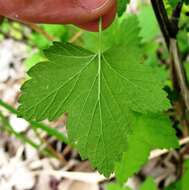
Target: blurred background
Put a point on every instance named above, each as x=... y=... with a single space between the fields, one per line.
x=36 y=156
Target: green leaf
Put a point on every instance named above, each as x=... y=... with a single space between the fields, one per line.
x=150 y=132
x=185 y=177
x=100 y=92
x=109 y=37
x=33 y=59
x=116 y=187
x=55 y=31
x=186 y=2
x=121 y=6
x=149 y=28
x=173 y=3
x=149 y=184
x=119 y=32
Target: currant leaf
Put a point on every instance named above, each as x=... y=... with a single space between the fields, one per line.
x=101 y=93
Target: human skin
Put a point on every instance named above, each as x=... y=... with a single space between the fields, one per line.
x=82 y=13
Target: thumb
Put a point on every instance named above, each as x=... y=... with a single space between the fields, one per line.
x=97 y=8
x=91 y=10
x=78 y=12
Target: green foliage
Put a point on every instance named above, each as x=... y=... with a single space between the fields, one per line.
x=151 y=132
x=150 y=28
x=183 y=41
x=108 y=38
x=183 y=183
x=33 y=59
x=58 y=32
x=173 y=3
x=102 y=93
x=116 y=187
x=149 y=184
x=121 y=6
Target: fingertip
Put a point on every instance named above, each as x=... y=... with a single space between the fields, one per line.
x=107 y=20
x=92 y=5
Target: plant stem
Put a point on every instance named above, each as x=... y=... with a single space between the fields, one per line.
x=162 y=19
x=20 y=136
x=169 y=30
x=175 y=17
x=51 y=131
x=180 y=70
x=99 y=56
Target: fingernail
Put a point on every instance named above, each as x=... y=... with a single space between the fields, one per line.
x=92 y=4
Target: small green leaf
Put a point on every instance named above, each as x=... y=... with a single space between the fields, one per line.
x=150 y=28
x=121 y=6
x=149 y=184
x=183 y=183
x=174 y=3
x=117 y=187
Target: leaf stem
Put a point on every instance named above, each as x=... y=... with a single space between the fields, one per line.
x=99 y=55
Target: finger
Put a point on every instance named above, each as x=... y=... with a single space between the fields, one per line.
x=56 y=11
x=107 y=19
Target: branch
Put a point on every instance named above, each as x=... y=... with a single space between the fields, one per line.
x=162 y=19
x=40 y=30
x=49 y=130
x=169 y=30
x=175 y=19
x=95 y=177
x=182 y=80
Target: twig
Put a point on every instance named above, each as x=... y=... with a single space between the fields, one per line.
x=38 y=29
x=75 y=36
x=45 y=144
x=158 y=153
x=95 y=177
x=162 y=19
x=88 y=177
x=51 y=131
x=169 y=30
x=44 y=148
x=175 y=19
x=180 y=72
x=20 y=136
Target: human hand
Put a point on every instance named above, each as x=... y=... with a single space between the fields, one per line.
x=82 y=13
